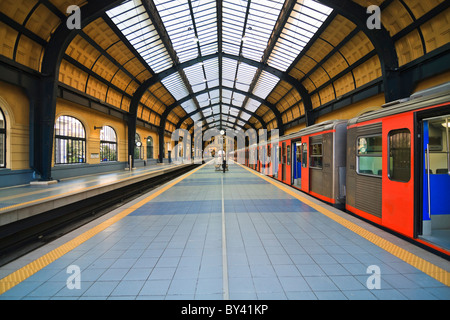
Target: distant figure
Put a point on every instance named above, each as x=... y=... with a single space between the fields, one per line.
x=224 y=164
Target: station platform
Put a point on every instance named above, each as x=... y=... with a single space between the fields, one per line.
x=237 y=235
x=24 y=201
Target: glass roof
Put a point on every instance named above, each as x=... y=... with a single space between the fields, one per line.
x=193 y=29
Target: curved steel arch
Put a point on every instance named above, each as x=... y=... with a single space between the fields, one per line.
x=43 y=110
x=260 y=119
x=231 y=116
x=383 y=44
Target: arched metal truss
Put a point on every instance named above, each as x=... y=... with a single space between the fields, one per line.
x=223 y=33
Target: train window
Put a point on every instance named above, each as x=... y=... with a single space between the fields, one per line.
x=299 y=153
x=369 y=157
x=305 y=155
x=316 y=156
x=2 y=140
x=399 y=150
x=279 y=154
x=108 y=144
x=149 y=147
x=70 y=141
x=137 y=147
x=289 y=155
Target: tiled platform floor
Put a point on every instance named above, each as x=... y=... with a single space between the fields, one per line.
x=225 y=236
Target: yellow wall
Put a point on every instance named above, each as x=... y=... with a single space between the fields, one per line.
x=15 y=106
x=144 y=133
x=91 y=118
x=356 y=109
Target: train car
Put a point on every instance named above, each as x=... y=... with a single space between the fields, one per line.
x=317 y=164
x=398 y=172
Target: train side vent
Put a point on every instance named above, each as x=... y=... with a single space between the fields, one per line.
x=393 y=103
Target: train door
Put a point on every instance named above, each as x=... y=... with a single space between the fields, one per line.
x=297 y=164
x=304 y=165
x=398 y=183
x=280 y=162
x=283 y=162
x=288 y=166
x=435 y=171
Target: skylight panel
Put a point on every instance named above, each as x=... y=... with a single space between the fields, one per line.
x=178 y=23
x=133 y=21
x=252 y=105
x=195 y=76
x=244 y=77
x=265 y=84
x=234 y=12
x=175 y=85
x=188 y=106
x=304 y=21
x=263 y=15
x=245 y=116
x=205 y=16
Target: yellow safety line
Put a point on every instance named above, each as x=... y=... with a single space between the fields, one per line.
x=76 y=190
x=23 y=273
x=415 y=261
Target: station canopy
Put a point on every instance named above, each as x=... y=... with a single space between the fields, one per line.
x=220 y=53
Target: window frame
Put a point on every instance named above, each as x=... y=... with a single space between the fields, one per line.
x=3 y=133
x=137 y=147
x=311 y=156
x=377 y=155
x=109 y=143
x=405 y=130
x=304 y=155
x=150 y=138
x=69 y=139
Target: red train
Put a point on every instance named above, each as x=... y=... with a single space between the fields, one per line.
x=390 y=166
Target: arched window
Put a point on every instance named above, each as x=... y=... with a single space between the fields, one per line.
x=137 y=146
x=149 y=148
x=70 y=141
x=2 y=140
x=108 y=144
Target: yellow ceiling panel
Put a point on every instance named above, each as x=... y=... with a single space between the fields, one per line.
x=436 y=32
x=96 y=89
x=29 y=53
x=421 y=7
x=17 y=10
x=368 y=71
x=105 y=68
x=327 y=94
x=409 y=48
x=121 y=80
x=43 y=22
x=357 y=48
x=72 y=76
x=319 y=77
x=114 y=98
x=344 y=84
x=101 y=33
x=395 y=17
x=80 y=50
x=335 y=65
x=338 y=29
x=8 y=38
